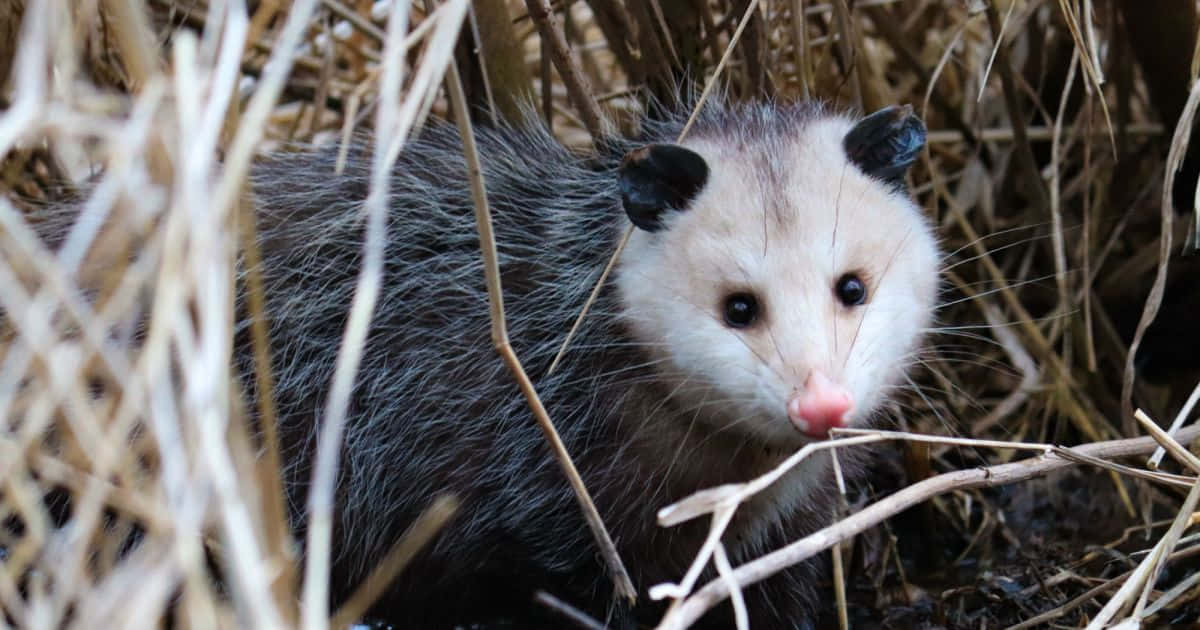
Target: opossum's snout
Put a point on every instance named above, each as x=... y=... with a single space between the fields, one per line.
x=819 y=406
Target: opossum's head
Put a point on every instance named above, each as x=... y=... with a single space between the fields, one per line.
x=780 y=270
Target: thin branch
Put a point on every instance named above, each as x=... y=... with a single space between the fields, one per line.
x=568 y=69
x=717 y=590
x=483 y=220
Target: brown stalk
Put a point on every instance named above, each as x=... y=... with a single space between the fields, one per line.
x=135 y=42
x=848 y=51
x=1179 y=144
x=11 y=12
x=270 y=465
x=506 y=77
x=660 y=27
x=800 y=47
x=615 y=23
x=547 y=84
x=753 y=48
x=358 y=21
x=710 y=30
x=621 y=582
x=577 y=85
x=266 y=11
x=656 y=65
x=1022 y=148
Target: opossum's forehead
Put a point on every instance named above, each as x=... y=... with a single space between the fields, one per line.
x=796 y=205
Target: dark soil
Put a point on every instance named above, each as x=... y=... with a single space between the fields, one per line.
x=1001 y=569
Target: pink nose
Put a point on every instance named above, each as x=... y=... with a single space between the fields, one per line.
x=820 y=406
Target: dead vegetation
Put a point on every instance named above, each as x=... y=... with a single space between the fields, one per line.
x=1059 y=172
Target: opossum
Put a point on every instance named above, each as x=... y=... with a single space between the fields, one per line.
x=776 y=284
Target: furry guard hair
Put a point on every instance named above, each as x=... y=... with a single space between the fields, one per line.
x=776 y=254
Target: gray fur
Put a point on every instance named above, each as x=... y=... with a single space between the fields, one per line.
x=435 y=410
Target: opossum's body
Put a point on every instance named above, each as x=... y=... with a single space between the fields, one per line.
x=656 y=398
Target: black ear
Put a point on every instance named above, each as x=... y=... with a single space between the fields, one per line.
x=886 y=143
x=658 y=178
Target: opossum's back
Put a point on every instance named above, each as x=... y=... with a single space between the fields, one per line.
x=554 y=218
x=434 y=409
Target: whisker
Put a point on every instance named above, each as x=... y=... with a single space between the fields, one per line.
x=1003 y=232
x=996 y=290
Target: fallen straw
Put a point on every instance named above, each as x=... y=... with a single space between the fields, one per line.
x=1180 y=418
x=695 y=605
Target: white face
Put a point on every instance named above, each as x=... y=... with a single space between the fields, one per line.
x=792 y=231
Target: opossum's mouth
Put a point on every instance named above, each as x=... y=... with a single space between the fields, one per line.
x=779 y=431
x=818 y=430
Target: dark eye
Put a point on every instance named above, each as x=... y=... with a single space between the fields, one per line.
x=851 y=290
x=741 y=309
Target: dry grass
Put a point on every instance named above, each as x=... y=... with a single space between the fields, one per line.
x=1050 y=172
